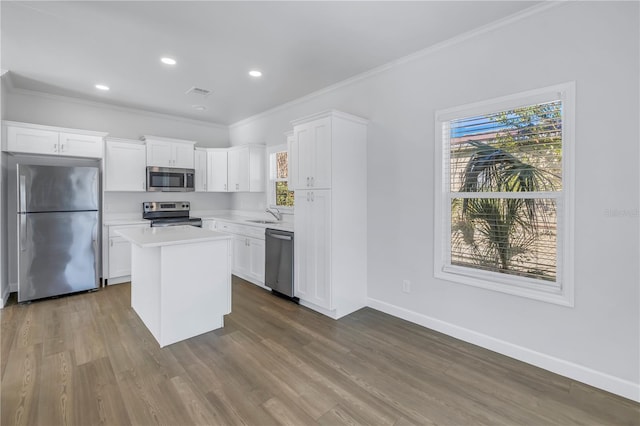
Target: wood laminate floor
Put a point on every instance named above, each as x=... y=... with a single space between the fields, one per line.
x=87 y=359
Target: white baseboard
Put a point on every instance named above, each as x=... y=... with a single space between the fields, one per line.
x=568 y=369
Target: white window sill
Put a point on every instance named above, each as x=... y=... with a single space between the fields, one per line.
x=503 y=283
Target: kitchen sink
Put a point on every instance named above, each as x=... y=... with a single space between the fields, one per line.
x=261 y=221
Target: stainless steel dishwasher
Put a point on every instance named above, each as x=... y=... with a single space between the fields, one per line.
x=278 y=271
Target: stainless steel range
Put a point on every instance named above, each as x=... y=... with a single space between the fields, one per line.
x=169 y=213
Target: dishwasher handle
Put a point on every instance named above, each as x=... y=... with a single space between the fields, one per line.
x=280 y=237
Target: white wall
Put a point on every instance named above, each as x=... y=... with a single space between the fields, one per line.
x=592 y=43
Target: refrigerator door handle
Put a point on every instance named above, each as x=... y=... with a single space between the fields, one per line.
x=23 y=194
x=23 y=232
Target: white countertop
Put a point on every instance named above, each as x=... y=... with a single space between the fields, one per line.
x=246 y=219
x=241 y=218
x=171 y=235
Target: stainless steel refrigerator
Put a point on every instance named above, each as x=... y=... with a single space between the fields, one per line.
x=58 y=226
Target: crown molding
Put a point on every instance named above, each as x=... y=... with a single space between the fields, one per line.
x=503 y=22
x=36 y=93
x=5 y=75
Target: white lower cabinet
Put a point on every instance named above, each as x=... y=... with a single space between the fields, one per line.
x=119 y=257
x=256 y=259
x=312 y=223
x=248 y=255
x=116 y=255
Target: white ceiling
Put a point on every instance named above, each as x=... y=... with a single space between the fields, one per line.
x=67 y=47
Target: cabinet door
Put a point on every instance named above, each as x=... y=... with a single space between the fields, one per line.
x=256 y=259
x=256 y=166
x=35 y=141
x=119 y=257
x=125 y=167
x=292 y=161
x=74 y=145
x=238 y=171
x=183 y=156
x=320 y=161
x=159 y=153
x=310 y=161
x=312 y=247
x=217 y=171
x=240 y=255
x=200 y=160
x=299 y=167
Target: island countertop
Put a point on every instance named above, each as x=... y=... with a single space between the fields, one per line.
x=170 y=235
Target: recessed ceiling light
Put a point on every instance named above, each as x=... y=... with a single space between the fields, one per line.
x=255 y=73
x=168 y=61
x=102 y=87
x=199 y=107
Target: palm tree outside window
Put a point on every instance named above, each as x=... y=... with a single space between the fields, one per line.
x=503 y=202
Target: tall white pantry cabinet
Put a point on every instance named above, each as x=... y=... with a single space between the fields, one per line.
x=328 y=171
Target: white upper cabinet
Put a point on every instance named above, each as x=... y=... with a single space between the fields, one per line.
x=165 y=152
x=217 y=170
x=76 y=145
x=125 y=165
x=245 y=171
x=36 y=139
x=310 y=162
x=200 y=162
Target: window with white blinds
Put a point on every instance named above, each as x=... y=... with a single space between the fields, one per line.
x=502 y=194
x=278 y=194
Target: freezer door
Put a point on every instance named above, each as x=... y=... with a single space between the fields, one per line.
x=57 y=253
x=55 y=189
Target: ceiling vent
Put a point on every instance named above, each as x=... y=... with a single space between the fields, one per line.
x=198 y=91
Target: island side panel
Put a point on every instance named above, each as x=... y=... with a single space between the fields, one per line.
x=196 y=289
x=145 y=286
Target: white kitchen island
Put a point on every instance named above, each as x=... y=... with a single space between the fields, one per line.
x=180 y=280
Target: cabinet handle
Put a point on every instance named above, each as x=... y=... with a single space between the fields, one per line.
x=225 y=186
x=55 y=147
x=61 y=147
x=307 y=181
x=237 y=186
x=111 y=243
x=313 y=181
x=312 y=197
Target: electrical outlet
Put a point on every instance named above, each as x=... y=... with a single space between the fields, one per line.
x=406 y=286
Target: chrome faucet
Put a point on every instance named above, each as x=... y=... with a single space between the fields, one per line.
x=274 y=212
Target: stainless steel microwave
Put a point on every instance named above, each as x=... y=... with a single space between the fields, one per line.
x=169 y=179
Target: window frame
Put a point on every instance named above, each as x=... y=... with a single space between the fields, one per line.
x=271 y=188
x=562 y=291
